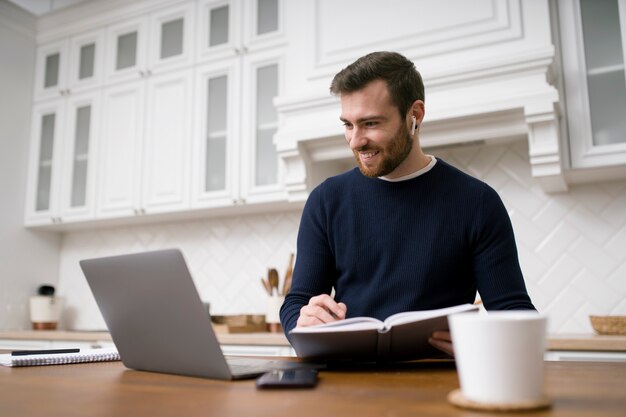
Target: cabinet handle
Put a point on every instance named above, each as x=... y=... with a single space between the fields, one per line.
x=141 y=74
x=148 y=73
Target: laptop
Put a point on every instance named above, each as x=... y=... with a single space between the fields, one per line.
x=157 y=320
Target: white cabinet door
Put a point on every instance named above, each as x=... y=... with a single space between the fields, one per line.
x=69 y=66
x=227 y=28
x=171 y=38
x=45 y=163
x=80 y=141
x=215 y=179
x=145 y=148
x=593 y=38
x=260 y=168
x=51 y=70
x=62 y=160
x=119 y=173
x=86 y=61
x=126 y=53
x=167 y=143
x=235 y=157
x=150 y=45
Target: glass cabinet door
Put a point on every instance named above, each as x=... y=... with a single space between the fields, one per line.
x=86 y=61
x=219 y=26
x=45 y=161
x=593 y=46
x=80 y=157
x=172 y=38
x=267 y=16
x=50 y=72
x=216 y=133
x=603 y=37
x=216 y=144
x=266 y=159
x=44 y=166
x=170 y=43
x=126 y=51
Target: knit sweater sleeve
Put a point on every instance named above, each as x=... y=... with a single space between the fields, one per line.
x=314 y=270
x=496 y=266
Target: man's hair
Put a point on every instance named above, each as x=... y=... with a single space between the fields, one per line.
x=404 y=82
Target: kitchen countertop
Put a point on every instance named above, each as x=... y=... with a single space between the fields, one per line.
x=566 y=342
x=260 y=339
x=587 y=342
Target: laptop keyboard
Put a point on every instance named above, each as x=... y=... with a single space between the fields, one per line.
x=251 y=365
x=243 y=365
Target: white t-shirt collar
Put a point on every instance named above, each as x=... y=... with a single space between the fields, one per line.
x=415 y=174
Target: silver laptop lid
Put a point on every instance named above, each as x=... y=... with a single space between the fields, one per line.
x=154 y=314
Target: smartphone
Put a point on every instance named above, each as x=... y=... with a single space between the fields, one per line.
x=289 y=378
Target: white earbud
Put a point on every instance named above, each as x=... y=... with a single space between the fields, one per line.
x=414 y=126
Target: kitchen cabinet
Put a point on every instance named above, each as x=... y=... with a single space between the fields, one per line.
x=182 y=104
x=62 y=160
x=235 y=27
x=69 y=66
x=235 y=157
x=150 y=45
x=593 y=40
x=145 y=154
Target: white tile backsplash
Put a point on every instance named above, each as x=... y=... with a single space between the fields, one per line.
x=572 y=246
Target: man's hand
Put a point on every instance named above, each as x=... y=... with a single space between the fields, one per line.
x=442 y=340
x=321 y=309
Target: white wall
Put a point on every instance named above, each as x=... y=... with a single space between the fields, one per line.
x=571 y=245
x=27 y=259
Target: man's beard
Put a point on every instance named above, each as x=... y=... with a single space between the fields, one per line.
x=393 y=155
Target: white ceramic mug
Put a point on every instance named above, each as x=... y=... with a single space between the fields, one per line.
x=500 y=355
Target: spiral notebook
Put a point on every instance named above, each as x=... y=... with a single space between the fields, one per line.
x=85 y=355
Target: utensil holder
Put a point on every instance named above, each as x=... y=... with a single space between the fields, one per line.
x=272 y=314
x=45 y=312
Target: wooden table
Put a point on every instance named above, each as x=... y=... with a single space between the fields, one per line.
x=417 y=389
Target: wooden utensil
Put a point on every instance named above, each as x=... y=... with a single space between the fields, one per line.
x=272 y=277
x=288 y=274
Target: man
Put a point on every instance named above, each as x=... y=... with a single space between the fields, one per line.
x=405 y=231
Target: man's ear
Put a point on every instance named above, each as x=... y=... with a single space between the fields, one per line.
x=417 y=110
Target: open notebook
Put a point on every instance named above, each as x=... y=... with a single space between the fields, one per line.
x=85 y=355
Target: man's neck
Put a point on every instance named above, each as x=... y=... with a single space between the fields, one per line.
x=415 y=161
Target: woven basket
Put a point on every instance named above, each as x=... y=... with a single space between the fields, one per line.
x=609 y=324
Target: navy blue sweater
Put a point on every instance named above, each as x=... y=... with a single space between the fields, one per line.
x=387 y=247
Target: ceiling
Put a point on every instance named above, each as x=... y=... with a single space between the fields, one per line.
x=42 y=7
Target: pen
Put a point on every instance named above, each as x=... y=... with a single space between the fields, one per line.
x=42 y=352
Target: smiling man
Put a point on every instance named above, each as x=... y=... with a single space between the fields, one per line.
x=405 y=231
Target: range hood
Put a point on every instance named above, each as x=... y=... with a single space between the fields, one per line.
x=503 y=102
